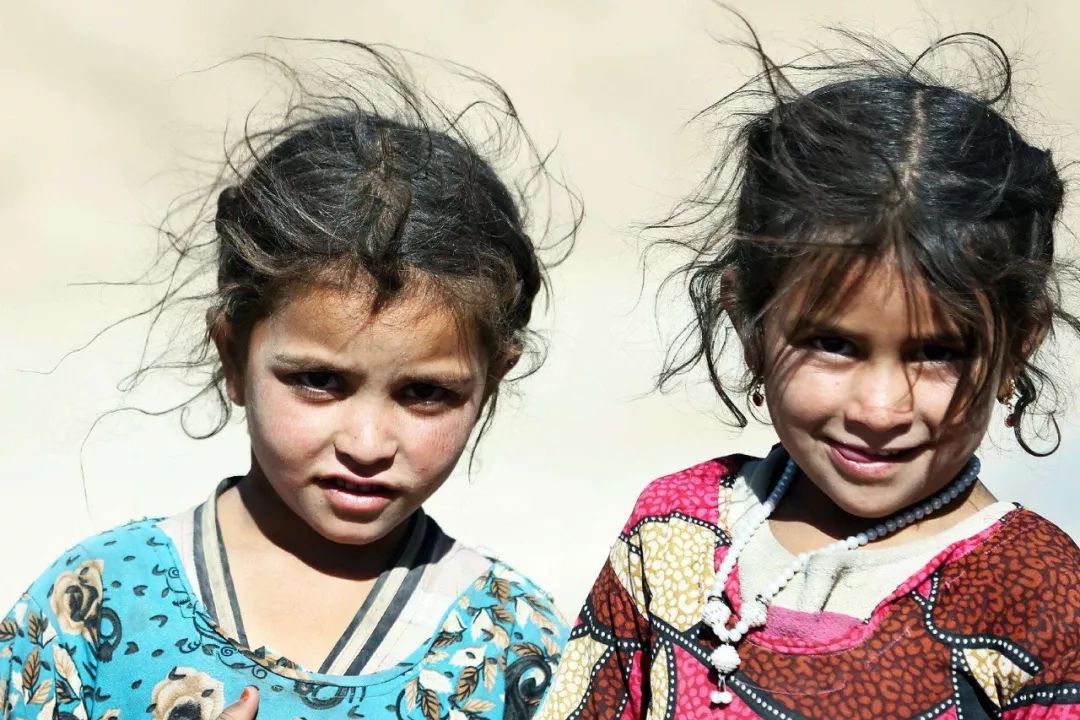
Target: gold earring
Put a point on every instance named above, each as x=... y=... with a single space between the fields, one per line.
x=1006 y=399
x=756 y=396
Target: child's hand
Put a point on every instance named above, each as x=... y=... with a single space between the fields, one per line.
x=243 y=709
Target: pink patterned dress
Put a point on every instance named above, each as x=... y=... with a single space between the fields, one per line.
x=987 y=629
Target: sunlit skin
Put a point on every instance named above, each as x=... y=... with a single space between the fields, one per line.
x=845 y=391
x=355 y=419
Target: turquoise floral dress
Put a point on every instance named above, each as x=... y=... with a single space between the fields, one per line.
x=115 y=630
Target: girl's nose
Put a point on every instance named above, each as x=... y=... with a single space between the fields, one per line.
x=366 y=435
x=881 y=397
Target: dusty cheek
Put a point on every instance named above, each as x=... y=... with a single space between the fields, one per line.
x=434 y=449
x=286 y=436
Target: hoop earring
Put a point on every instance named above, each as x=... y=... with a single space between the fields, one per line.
x=1012 y=416
x=756 y=395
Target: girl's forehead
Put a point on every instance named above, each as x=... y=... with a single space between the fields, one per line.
x=873 y=295
x=416 y=320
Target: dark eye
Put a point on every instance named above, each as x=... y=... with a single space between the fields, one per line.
x=425 y=393
x=832 y=345
x=319 y=380
x=935 y=353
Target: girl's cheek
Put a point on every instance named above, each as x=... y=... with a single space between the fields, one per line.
x=933 y=397
x=811 y=393
x=292 y=427
x=438 y=440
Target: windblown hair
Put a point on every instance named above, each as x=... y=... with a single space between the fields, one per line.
x=841 y=160
x=369 y=182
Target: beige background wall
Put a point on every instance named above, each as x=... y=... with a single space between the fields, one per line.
x=104 y=113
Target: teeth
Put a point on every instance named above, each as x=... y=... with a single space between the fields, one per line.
x=891 y=453
x=351 y=487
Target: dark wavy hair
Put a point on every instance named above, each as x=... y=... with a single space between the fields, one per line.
x=843 y=159
x=368 y=179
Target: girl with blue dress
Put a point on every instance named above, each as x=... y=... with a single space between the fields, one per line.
x=374 y=282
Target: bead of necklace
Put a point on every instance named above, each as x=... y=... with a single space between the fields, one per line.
x=753 y=614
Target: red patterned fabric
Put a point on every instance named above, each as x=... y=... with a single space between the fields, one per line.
x=988 y=628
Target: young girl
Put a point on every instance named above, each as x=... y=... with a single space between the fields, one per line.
x=375 y=280
x=886 y=257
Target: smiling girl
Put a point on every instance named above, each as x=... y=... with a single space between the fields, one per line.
x=375 y=279
x=885 y=255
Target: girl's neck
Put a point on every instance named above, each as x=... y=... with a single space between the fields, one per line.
x=807 y=519
x=254 y=518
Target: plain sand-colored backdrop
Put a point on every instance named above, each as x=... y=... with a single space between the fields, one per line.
x=105 y=110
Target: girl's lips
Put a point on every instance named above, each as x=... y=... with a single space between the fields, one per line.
x=868 y=464
x=358 y=498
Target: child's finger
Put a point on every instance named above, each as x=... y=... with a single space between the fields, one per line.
x=243 y=709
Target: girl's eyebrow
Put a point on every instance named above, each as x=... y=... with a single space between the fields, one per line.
x=453 y=380
x=301 y=362
x=943 y=338
x=824 y=327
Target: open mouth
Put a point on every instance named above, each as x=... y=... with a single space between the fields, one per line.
x=356 y=497
x=356 y=487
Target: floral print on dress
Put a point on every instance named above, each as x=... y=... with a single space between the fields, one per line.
x=76 y=599
x=187 y=694
x=113 y=631
x=38 y=675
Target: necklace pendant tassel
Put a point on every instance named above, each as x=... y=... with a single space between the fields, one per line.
x=725 y=659
x=722 y=696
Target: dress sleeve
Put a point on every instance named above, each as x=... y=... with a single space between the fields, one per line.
x=604 y=669
x=535 y=649
x=45 y=659
x=521 y=635
x=1040 y=569
x=49 y=652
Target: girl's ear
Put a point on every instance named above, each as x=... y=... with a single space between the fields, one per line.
x=505 y=363
x=223 y=334
x=1031 y=344
x=1035 y=337
x=729 y=298
x=501 y=365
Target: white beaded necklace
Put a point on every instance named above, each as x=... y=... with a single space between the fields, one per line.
x=754 y=612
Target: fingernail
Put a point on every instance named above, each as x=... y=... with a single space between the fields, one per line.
x=245 y=694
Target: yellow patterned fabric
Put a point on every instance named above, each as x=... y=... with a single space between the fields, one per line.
x=998 y=676
x=680 y=569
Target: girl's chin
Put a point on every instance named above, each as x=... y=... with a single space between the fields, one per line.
x=344 y=532
x=871 y=502
x=872 y=512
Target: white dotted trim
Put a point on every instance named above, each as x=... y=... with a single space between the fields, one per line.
x=606 y=636
x=674 y=637
x=935 y=711
x=1069 y=692
x=719 y=531
x=581 y=706
x=1018 y=654
x=748 y=692
x=957 y=664
x=669 y=649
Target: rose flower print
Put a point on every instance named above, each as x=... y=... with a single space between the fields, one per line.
x=187 y=694
x=76 y=599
